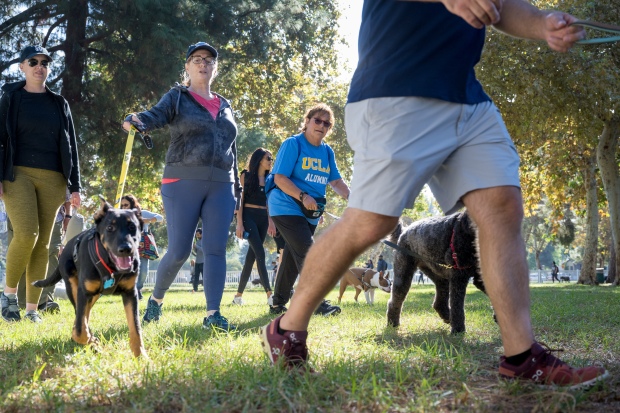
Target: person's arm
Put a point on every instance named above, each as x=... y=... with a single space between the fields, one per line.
x=158 y=116
x=4 y=136
x=341 y=188
x=75 y=186
x=68 y=212
x=478 y=13
x=287 y=186
x=523 y=20
x=240 y=229
x=149 y=217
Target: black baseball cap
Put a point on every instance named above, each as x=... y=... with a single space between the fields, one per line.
x=200 y=45
x=32 y=51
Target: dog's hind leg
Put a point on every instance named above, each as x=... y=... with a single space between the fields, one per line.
x=343 y=287
x=358 y=290
x=458 y=289
x=130 y=302
x=404 y=267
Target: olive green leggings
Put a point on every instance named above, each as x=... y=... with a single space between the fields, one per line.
x=32 y=202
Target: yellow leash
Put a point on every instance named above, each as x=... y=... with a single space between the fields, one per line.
x=123 y=177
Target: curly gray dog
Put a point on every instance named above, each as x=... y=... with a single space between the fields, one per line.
x=443 y=248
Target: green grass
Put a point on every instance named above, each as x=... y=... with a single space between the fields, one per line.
x=361 y=365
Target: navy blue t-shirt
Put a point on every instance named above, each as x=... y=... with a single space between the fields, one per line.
x=416 y=49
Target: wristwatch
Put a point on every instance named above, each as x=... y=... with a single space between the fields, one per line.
x=301 y=195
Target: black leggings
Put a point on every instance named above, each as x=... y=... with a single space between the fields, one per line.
x=256 y=223
x=197 y=274
x=298 y=234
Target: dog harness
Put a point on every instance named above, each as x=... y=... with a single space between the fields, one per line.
x=366 y=285
x=100 y=257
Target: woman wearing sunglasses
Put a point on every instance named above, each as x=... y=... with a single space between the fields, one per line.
x=38 y=162
x=200 y=179
x=305 y=165
x=253 y=222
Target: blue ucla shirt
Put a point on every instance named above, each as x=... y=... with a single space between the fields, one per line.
x=309 y=167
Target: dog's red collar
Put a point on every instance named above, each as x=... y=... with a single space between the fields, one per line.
x=456 y=265
x=100 y=258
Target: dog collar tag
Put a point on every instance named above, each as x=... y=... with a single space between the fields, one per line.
x=108 y=283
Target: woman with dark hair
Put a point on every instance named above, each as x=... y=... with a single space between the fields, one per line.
x=253 y=222
x=38 y=162
x=131 y=202
x=200 y=179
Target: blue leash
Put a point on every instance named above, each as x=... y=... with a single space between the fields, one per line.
x=609 y=28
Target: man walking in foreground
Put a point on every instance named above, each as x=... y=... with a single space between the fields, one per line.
x=417 y=114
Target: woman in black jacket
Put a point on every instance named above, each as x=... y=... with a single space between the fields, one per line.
x=38 y=161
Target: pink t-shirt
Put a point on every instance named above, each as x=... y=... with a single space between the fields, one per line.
x=213 y=105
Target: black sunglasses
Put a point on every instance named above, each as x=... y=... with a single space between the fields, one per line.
x=324 y=122
x=269 y=158
x=35 y=62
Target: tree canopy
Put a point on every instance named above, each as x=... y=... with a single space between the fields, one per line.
x=112 y=58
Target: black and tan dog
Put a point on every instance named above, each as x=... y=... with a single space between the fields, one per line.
x=443 y=248
x=103 y=260
x=367 y=280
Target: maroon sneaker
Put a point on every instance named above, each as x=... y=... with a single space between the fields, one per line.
x=289 y=347
x=550 y=372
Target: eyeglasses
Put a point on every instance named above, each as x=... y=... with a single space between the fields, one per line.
x=198 y=60
x=35 y=62
x=269 y=158
x=318 y=121
x=125 y=205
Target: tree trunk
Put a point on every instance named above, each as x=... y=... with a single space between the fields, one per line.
x=75 y=52
x=611 y=269
x=588 y=268
x=606 y=156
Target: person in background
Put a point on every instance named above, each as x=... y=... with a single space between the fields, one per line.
x=416 y=114
x=369 y=264
x=305 y=165
x=554 y=272
x=382 y=266
x=253 y=220
x=200 y=179
x=129 y=201
x=198 y=262
x=38 y=160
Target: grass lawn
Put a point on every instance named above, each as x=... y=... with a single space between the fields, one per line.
x=361 y=365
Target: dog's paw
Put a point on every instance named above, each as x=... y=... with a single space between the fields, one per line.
x=141 y=353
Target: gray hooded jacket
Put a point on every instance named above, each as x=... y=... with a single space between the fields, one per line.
x=200 y=147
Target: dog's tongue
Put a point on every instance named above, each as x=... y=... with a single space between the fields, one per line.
x=122 y=263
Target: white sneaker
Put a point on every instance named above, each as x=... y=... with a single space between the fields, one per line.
x=238 y=301
x=270 y=300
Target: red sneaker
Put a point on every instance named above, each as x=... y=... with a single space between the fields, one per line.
x=548 y=371
x=290 y=347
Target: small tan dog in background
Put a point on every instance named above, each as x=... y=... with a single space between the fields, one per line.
x=367 y=280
